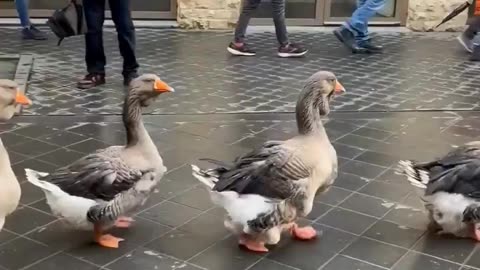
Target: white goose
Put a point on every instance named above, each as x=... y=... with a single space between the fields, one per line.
x=10 y=97
x=266 y=190
x=101 y=189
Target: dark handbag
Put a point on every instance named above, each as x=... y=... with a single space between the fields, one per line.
x=68 y=21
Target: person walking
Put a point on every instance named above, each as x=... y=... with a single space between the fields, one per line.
x=286 y=49
x=354 y=32
x=28 y=30
x=95 y=55
x=467 y=38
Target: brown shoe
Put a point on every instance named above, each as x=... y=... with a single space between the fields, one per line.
x=91 y=80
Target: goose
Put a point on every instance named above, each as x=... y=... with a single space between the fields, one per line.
x=451 y=190
x=101 y=189
x=266 y=190
x=10 y=97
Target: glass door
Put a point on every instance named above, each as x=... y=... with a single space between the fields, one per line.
x=297 y=12
x=141 y=9
x=394 y=11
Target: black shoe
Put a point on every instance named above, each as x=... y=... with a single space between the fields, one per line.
x=348 y=39
x=33 y=33
x=291 y=50
x=475 y=56
x=369 y=47
x=129 y=77
x=240 y=50
x=91 y=80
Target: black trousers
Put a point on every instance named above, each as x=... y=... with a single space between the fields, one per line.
x=473 y=27
x=249 y=7
x=95 y=17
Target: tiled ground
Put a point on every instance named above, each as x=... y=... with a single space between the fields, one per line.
x=371 y=219
x=419 y=71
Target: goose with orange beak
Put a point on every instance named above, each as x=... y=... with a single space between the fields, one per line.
x=102 y=189
x=267 y=190
x=10 y=98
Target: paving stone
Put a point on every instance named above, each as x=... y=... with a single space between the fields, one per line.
x=370 y=219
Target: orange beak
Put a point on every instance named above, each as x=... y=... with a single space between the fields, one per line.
x=161 y=86
x=339 y=89
x=22 y=99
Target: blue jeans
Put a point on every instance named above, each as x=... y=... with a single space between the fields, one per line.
x=95 y=16
x=358 y=23
x=22 y=9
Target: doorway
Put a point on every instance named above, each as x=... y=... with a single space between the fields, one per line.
x=141 y=9
x=331 y=12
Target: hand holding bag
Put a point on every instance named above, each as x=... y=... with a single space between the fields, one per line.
x=68 y=21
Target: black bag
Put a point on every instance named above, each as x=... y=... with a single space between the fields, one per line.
x=68 y=21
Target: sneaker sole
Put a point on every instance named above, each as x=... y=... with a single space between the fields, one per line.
x=88 y=86
x=239 y=53
x=459 y=38
x=292 y=55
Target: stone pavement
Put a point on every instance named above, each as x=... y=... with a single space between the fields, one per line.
x=371 y=219
x=424 y=71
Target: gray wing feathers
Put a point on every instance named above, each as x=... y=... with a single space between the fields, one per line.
x=283 y=213
x=124 y=202
x=96 y=176
x=290 y=167
x=270 y=171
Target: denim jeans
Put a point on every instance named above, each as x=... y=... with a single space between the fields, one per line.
x=358 y=23
x=278 y=13
x=22 y=10
x=95 y=17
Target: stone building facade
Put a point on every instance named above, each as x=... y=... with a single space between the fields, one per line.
x=421 y=15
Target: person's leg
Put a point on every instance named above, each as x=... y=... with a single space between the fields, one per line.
x=238 y=47
x=22 y=10
x=475 y=56
x=346 y=35
x=359 y=24
x=278 y=13
x=466 y=38
x=95 y=59
x=126 y=37
x=286 y=48
x=28 y=30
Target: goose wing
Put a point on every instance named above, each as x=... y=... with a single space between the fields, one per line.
x=273 y=171
x=100 y=175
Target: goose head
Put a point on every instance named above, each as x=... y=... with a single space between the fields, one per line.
x=320 y=89
x=147 y=87
x=10 y=97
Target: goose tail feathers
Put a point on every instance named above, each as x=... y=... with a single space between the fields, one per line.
x=417 y=176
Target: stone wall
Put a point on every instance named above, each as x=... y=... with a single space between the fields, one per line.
x=207 y=14
x=425 y=14
x=223 y=14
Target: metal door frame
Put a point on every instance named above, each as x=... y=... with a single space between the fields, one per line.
x=45 y=13
x=322 y=16
x=318 y=20
x=401 y=10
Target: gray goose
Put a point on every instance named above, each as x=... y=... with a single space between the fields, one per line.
x=10 y=97
x=451 y=190
x=267 y=189
x=101 y=189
